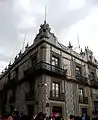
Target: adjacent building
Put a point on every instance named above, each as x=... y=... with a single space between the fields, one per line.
x=50 y=77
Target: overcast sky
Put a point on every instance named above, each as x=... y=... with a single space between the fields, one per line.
x=65 y=17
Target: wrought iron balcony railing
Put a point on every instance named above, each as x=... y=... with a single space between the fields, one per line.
x=94 y=83
x=60 y=97
x=29 y=96
x=84 y=100
x=47 y=68
x=82 y=79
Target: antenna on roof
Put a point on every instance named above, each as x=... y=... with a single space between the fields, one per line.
x=23 y=42
x=78 y=41
x=45 y=15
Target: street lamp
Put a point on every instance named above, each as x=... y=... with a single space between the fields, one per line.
x=41 y=85
x=44 y=84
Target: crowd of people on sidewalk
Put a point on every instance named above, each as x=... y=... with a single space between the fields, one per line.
x=41 y=116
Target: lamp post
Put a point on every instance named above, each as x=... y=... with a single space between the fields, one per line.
x=41 y=85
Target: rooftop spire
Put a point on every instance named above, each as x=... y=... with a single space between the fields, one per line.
x=45 y=15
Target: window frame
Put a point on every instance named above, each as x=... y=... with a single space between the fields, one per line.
x=57 y=63
x=56 y=90
x=78 y=73
x=81 y=97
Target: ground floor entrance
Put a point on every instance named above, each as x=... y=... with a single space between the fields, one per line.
x=56 y=111
x=95 y=105
x=30 y=109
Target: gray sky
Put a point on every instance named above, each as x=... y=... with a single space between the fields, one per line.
x=65 y=17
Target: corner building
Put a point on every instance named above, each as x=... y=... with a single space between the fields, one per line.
x=50 y=77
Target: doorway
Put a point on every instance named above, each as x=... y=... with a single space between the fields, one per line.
x=30 y=109
x=57 y=110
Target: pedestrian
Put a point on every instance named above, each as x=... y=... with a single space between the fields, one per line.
x=40 y=116
x=0 y=117
x=16 y=115
x=10 y=118
x=95 y=116
x=85 y=117
x=72 y=117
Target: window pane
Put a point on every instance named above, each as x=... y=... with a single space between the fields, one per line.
x=78 y=72
x=80 y=92
x=55 y=61
x=53 y=86
x=55 y=89
x=57 y=93
x=53 y=93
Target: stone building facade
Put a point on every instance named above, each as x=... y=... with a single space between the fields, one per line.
x=50 y=77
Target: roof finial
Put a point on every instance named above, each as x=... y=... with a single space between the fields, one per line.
x=23 y=43
x=70 y=46
x=45 y=15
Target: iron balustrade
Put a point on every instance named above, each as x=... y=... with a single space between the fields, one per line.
x=84 y=100
x=82 y=79
x=94 y=83
x=47 y=67
x=60 y=97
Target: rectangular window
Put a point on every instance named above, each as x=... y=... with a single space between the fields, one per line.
x=81 y=94
x=78 y=73
x=55 y=61
x=55 y=89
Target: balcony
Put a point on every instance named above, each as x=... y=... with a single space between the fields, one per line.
x=29 y=96
x=84 y=100
x=61 y=96
x=12 y=100
x=47 y=68
x=92 y=63
x=82 y=79
x=94 y=83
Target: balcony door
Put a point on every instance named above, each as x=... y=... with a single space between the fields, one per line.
x=81 y=95
x=55 y=63
x=30 y=109
x=96 y=105
x=78 y=73
x=55 y=89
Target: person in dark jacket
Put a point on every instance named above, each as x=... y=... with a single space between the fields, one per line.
x=40 y=116
x=95 y=116
x=16 y=115
x=85 y=117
